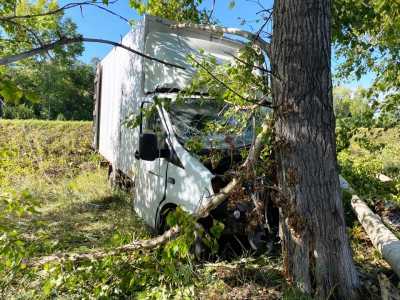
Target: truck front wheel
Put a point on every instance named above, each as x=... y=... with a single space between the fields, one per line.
x=198 y=248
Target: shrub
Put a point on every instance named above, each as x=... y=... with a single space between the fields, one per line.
x=21 y=111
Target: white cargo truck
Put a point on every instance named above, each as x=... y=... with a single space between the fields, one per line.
x=165 y=174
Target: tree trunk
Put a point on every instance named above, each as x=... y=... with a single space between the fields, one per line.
x=316 y=250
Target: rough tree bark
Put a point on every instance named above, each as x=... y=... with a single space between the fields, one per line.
x=316 y=251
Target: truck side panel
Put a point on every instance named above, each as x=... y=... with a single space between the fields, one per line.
x=110 y=107
x=131 y=97
x=120 y=98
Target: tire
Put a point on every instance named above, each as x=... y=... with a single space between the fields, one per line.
x=198 y=249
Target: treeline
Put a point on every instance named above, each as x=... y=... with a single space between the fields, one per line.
x=52 y=90
x=361 y=108
x=53 y=85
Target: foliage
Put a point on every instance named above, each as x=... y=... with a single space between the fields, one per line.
x=352 y=111
x=373 y=152
x=177 y=10
x=237 y=82
x=25 y=81
x=367 y=39
x=57 y=91
x=19 y=111
x=48 y=170
x=14 y=205
x=21 y=34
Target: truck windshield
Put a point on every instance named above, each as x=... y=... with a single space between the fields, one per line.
x=196 y=124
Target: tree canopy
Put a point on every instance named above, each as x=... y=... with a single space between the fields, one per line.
x=50 y=85
x=366 y=35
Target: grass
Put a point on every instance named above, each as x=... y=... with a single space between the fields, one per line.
x=62 y=202
x=52 y=165
x=54 y=197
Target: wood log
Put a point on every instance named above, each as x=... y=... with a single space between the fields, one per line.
x=381 y=237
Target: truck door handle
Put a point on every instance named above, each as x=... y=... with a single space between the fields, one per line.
x=153 y=173
x=171 y=180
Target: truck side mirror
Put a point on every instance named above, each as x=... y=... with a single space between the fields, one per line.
x=148 y=146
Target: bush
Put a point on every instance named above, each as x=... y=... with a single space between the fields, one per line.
x=370 y=153
x=21 y=111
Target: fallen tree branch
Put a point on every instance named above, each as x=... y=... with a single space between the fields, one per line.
x=381 y=237
x=99 y=254
x=170 y=234
x=265 y=46
x=79 y=39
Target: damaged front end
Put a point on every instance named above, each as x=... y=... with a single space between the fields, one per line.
x=250 y=218
x=221 y=138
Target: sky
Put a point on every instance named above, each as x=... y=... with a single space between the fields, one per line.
x=94 y=22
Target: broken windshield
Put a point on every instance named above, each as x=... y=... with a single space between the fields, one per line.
x=207 y=124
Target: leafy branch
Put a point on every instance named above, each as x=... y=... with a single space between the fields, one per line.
x=65 y=7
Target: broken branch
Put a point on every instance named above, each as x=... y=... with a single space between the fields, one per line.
x=99 y=254
x=381 y=237
x=265 y=46
x=65 y=41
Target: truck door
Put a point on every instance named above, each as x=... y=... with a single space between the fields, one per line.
x=150 y=180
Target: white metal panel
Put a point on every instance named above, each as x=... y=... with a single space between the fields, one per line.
x=122 y=93
x=174 y=45
x=110 y=108
x=193 y=181
x=132 y=95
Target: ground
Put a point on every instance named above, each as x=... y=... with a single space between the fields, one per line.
x=55 y=198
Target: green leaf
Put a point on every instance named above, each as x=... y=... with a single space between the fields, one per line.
x=217 y=229
x=47 y=287
x=10 y=91
x=33 y=97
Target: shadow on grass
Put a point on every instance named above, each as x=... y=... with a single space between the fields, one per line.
x=99 y=223
x=247 y=282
